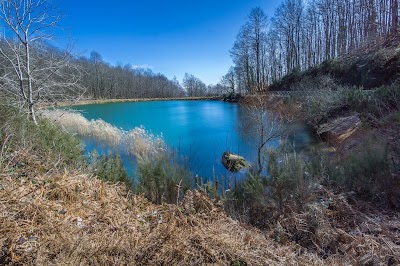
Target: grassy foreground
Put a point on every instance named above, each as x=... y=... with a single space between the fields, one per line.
x=71 y=219
x=54 y=211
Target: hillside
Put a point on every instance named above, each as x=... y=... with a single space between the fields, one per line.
x=374 y=65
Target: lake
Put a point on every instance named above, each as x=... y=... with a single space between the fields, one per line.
x=200 y=130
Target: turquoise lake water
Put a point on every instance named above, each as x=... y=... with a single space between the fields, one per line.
x=200 y=130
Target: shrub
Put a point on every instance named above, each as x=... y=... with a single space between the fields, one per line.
x=290 y=184
x=291 y=179
x=163 y=178
x=57 y=144
x=386 y=99
x=110 y=168
x=322 y=104
x=374 y=104
x=45 y=145
x=368 y=172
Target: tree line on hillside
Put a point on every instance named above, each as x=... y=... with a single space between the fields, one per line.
x=303 y=34
x=104 y=81
x=87 y=77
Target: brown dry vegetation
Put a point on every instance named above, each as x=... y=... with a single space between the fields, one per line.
x=137 y=142
x=73 y=219
x=287 y=111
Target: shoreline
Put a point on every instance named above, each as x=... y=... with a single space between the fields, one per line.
x=102 y=101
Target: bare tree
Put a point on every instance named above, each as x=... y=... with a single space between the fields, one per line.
x=33 y=69
x=261 y=125
x=288 y=22
x=257 y=26
x=96 y=60
x=241 y=56
x=229 y=80
x=248 y=52
x=194 y=86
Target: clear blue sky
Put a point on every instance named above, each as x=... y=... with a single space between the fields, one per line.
x=169 y=36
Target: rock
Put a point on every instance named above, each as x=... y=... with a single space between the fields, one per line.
x=339 y=129
x=234 y=162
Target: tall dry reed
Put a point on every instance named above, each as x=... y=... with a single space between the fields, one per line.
x=137 y=142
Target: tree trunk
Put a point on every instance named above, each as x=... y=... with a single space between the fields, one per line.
x=29 y=77
x=395 y=17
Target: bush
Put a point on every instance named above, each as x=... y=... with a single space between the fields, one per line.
x=289 y=179
x=322 y=104
x=386 y=99
x=369 y=173
x=42 y=147
x=163 y=178
x=289 y=185
x=374 y=104
x=57 y=144
x=110 y=168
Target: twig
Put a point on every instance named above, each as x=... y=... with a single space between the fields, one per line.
x=179 y=189
x=2 y=149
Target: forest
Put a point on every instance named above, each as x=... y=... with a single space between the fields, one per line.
x=304 y=34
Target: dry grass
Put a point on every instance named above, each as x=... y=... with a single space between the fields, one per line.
x=350 y=234
x=138 y=142
x=75 y=219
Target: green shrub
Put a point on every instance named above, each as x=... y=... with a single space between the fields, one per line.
x=357 y=99
x=54 y=142
x=323 y=98
x=385 y=100
x=290 y=184
x=375 y=104
x=45 y=143
x=163 y=178
x=110 y=168
x=292 y=179
x=366 y=172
